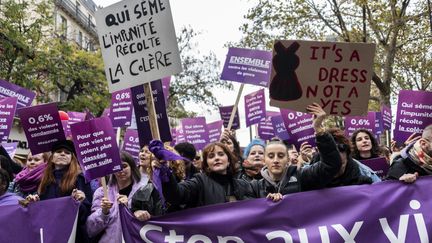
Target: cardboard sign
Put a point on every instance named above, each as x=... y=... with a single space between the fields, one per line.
x=225 y=113
x=414 y=113
x=195 y=131
x=138 y=42
x=42 y=126
x=215 y=130
x=96 y=147
x=255 y=107
x=335 y=75
x=121 y=108
x=8 y=107
x=299 y=126
x=24 y=96
x=247 y=66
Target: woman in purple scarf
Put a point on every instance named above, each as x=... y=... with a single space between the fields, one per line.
x=27 y=181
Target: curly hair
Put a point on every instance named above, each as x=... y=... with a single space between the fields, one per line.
x=375 y=150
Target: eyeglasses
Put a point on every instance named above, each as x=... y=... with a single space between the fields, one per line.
x=342 y=147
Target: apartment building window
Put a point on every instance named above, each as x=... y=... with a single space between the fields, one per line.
x=80 y=38
x=63 y=26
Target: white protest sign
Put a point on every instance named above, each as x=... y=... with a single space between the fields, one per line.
x=335 y=75
x=138 y=42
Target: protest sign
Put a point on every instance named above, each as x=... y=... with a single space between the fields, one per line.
x=386 y=117
x=10 y=148
x=280 y=130
x=379 y=165
x=66 y=128
x=24 y=96
x=225 y=113
x=121 y=108
x=96 y=147
x=8 y=107
x=353 y=123
x=247 y=66
x=255 y=107
x=215 y=130
x=131 y=143
x=142 y=117
x=382 y=212
x=299 y=126
x=50 y=221
x=106 y=112
x=265 y=126
x=414 y=113
x=335 y=75
x=195 y=131
x=165 y=87
x=74 y=117
x=377 y=118
x=138 y=42
x=180 y=137
x=42 y=126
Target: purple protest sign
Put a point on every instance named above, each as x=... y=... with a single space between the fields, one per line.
x=24 y=96
x=106 y=112
x=10 y=148
x=353 y=123
x=386 y=117
x=247 y=66
x=360 y=210
x=299 y=126
x=174 y=137
x=165 y=87
x=42 y=126
x=280 y=130
x=379 y=165
x=142 y=117
x=131 y=143
x=74 y=117
x=88 y=115
x=51 y=221
x=414 y=113
x=225 y=113
x=215 y=130
x=195 y=131
x=265 y=128
x=8 y=107
x=66 y=128
x=96 y=147
x=180 y=137
x=255 y=107
x=121 y=108
x=378 y=129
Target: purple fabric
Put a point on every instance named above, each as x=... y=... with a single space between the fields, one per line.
x=8 y=107
x=353 y=123
x=9 y=198
x=255 y=108
x=225 y=113
x=159 y=151
x=247 y=66
x=413 y=113
x=27 y=180
x=25 y=97
x=382 y=210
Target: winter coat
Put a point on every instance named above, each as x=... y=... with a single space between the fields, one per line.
x=403 y=164
x=147 y=198
x=108 y=227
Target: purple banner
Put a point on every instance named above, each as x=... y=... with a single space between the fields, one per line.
x=7 y=112
x=353 y=123
x=48 y=221
x=10 y=148
x=142 y=117
x=215 y=130
x=225 y=113
x=414 y=113
x=379 y=165
x=24 y=96
x=386 y=117
x=299 y=126
x=247 y=66
x=42 y=126
x=280 y=130
x=382 y=212
x=255 y=107
x=121 y=108
x=165 y=87
x=195 y=131
x=96 y=147
x=131 y=143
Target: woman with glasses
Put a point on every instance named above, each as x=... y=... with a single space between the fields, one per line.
x=104 y=225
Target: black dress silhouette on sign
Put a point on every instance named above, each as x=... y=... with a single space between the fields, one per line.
x=285 y=86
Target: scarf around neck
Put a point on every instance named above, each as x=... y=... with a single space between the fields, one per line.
x=27 y=180
x=421 y=158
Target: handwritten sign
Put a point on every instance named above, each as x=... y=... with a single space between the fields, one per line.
x=138 y=42
x=335 y=75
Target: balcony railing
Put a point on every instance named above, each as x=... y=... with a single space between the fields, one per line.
x=84 y=21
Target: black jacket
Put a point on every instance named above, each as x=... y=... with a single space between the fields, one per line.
x=205 y=189
x=147 y=198
x=403 y=164
x=316 y=176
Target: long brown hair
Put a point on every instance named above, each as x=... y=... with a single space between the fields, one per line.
x=68 y=181
x=210 y=148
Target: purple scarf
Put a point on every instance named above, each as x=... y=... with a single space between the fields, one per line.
x=27 y=180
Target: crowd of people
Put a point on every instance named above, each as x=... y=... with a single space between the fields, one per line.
x=168 y=179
